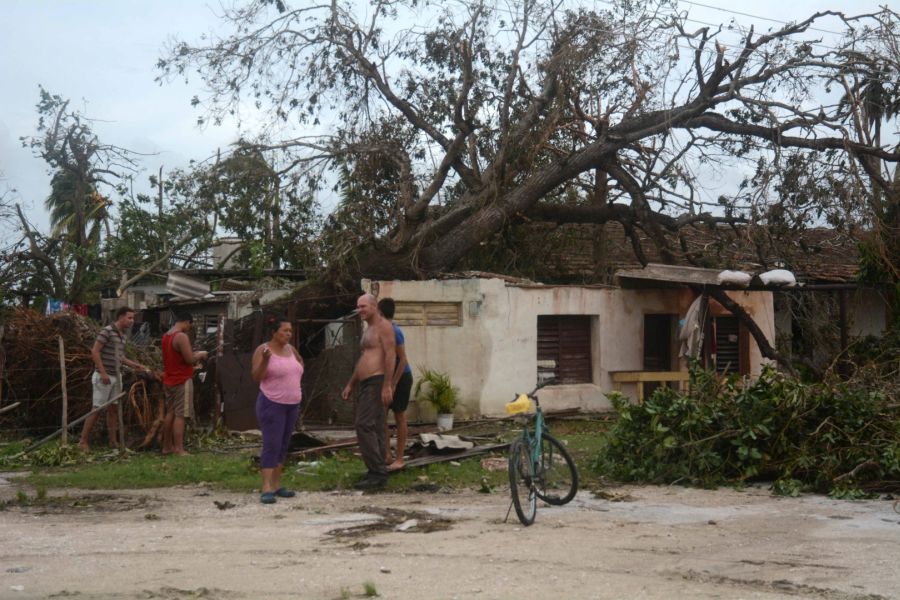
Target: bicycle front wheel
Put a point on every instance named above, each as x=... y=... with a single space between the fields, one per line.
x=521 y=482
x=556 y=481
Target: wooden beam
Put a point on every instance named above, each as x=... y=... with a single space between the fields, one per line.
x=436 y=458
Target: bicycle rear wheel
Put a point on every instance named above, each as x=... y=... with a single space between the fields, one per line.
x=556 y=481
x=521 y=482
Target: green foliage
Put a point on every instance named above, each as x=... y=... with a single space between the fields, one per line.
x=275 y=218
x=850 y=493
x=145 y=229
x=787 y=487
x=369 y=589
x=54 y=455
x=800 y=435
x=435 y=388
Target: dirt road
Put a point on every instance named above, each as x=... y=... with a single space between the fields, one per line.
x=647 y=542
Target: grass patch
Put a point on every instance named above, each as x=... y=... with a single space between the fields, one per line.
x=236 y=470
x=136 y=471
x=10 y=449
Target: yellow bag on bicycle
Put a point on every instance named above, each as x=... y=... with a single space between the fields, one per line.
x=519 y=406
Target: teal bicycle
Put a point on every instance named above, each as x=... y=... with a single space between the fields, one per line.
x=540 y=467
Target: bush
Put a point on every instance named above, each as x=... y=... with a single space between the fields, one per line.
x=822 y=437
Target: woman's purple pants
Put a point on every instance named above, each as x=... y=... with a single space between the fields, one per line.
x=276 y=422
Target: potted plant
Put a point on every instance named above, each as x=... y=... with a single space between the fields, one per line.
x=435 y=388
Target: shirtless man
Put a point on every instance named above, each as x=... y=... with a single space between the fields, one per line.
x=374 y=373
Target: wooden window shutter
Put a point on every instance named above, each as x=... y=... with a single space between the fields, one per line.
x=728 y=346
x=443 y=314
x=564 y=347
x=435 y=314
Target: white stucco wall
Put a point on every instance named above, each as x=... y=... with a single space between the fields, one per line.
x=493 y=354
x=510 y=317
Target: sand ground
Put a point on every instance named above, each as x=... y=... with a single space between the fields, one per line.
x=639 y=542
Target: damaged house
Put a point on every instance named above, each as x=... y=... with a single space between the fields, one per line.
x=496 y=336
x=636 y=329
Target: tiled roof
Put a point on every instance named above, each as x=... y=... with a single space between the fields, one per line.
x=822 y=255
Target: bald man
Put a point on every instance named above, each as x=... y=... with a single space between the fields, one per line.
x=374 y=373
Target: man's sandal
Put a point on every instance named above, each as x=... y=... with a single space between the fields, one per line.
x=267 y=497
x=285 y=493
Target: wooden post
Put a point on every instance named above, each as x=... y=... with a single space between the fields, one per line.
x=843 y=362
x=220 y=351
x=2 y=359
x=65 y=392
x=705 y=331
x=120 y=404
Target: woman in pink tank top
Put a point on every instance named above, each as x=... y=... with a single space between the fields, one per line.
x=278 y=368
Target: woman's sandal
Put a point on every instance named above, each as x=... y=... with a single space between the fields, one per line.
x=285 y=493
x=267 y=497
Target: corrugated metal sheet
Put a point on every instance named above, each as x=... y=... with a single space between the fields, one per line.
x=186 y=287
x=239 y=391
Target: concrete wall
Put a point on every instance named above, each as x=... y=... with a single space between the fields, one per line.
x=465 y=352
x=492 y=356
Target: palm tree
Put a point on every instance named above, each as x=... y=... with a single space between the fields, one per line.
x=78 y=213
x=76 y=209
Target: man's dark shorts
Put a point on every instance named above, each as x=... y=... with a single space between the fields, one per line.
x=401 y=394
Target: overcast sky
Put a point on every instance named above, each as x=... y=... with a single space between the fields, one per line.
x=101 y=54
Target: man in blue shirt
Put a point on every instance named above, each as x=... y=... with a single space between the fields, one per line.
x=403 y=381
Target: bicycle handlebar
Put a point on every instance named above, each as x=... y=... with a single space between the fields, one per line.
x=532 y=393
x=543 y=384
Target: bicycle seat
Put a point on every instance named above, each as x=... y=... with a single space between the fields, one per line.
x=520 y=405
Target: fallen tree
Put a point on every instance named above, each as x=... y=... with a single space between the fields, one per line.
x=444 y=136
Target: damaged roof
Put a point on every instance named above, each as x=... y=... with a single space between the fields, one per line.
x=813 y=255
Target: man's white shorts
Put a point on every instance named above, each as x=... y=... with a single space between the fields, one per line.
x=103 y=392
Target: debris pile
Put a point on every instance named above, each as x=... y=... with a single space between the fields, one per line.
x=31 y=378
